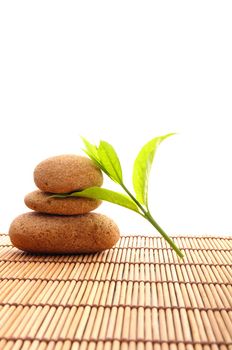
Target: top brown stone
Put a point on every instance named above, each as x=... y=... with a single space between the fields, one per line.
x=67 y=173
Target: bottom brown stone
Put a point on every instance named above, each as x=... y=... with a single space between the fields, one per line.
x=44 y=233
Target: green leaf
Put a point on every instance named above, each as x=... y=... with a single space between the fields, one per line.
x=92 y=152
x=142 y=168
x=110 y=161
x=103 y=194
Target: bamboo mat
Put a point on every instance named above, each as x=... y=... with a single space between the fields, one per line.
x=137 y=295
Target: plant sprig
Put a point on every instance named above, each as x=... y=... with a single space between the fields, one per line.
x=106 y=158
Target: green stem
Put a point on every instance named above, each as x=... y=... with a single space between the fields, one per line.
x=147 y=215
x=134 y=199
x=166 y=237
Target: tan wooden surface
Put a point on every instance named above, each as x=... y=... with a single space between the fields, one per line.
x=137 y=295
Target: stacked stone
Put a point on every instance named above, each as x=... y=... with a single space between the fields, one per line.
x=63 y=225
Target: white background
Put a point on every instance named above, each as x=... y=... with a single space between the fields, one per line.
x=123 y=71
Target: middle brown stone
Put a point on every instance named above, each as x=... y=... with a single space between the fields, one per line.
x=43 y=203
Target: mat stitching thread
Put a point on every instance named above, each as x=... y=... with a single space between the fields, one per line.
x=158 y=248
x=120 y=340
x=111 y=280
x=112 y=262
x=110 y=306
x=176 y=237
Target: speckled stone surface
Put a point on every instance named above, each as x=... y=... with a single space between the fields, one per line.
x=42 y=202
x=67 y=173
x=44 y=233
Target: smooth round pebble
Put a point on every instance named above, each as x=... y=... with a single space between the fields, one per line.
x=42 y=202
x=44 y=233
x=67 y=173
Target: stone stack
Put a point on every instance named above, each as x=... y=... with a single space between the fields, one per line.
x=63 y=225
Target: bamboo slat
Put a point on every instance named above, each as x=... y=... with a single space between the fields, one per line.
x=137 y=295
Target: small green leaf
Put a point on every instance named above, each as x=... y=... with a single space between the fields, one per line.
x=142 y=168
x=103 y=194
x=110 y=161
x=92 y=152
